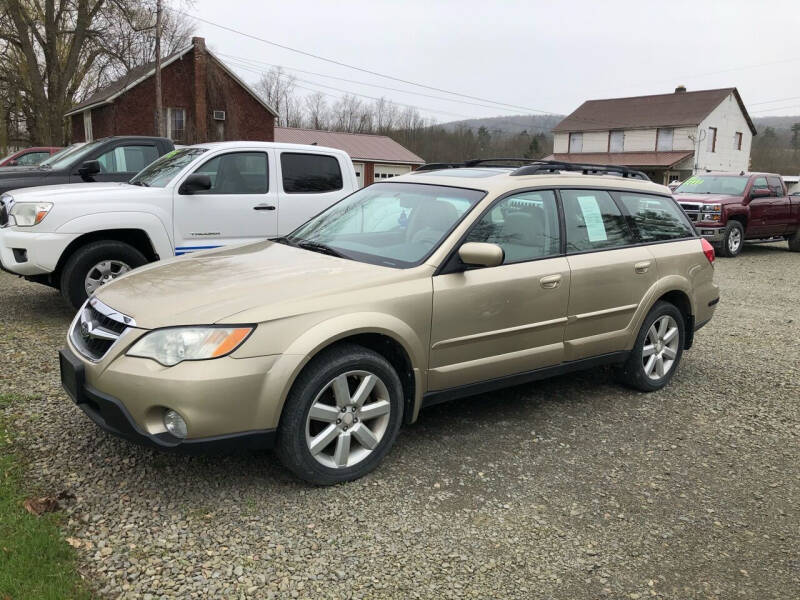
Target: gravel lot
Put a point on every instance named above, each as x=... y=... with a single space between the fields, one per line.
x=569 y=488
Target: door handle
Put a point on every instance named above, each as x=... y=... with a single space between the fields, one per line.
x=550 y=282
x=642 y=267
x=263 y=207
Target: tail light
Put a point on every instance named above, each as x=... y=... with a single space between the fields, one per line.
x=708 y=250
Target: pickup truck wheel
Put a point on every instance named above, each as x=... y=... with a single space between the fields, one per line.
x=794 y=241
x=341 y=417
x=657 y=350
x=733 y=241
x=95 y=264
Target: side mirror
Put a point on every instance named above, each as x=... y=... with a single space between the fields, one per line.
x=760 y=193
x=89 y=168
x=480 y=254
x=194 y=184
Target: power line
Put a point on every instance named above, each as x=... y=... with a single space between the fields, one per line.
x=259 y=62
x=361 y=69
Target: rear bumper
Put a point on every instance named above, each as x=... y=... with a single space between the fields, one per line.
x=110 y=414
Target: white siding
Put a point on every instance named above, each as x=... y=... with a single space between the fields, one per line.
x=681 y=139
x=640 y=140
x=560 y=143
x=728 y=119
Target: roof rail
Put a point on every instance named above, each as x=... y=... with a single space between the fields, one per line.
x=555 y=166
x=509 y=163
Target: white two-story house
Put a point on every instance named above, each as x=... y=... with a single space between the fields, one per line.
x=668 y=136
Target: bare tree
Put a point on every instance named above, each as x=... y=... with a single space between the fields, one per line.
x=316 y=111
x=279 y=90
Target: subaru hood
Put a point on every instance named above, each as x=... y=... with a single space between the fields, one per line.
x=245 y=284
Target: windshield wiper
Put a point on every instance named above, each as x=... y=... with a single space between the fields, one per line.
x=321 y=248
x=141 y=183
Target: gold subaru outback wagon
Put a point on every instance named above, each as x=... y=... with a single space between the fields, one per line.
x=428 y=287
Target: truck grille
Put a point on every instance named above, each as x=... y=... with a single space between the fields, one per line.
x=97 y=328
x=692 y=210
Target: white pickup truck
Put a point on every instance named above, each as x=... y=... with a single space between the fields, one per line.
x=77 y=237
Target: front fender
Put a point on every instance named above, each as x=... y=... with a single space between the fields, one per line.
x=284 y=372
x=151 y=224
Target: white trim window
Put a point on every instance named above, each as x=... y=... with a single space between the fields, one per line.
x=176 y=124
x=575 y=142
x=616 y=141
x=87 y=125
x=664 y=137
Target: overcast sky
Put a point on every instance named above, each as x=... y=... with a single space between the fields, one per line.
x=548 y=56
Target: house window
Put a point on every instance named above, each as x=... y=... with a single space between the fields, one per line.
x=616 y=141
x=664 y=139
x=87 y=125
x=712 y=139
x=176 y=124
x=737 y=140
x=575 y=142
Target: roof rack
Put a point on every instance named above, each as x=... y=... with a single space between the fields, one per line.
x=509 y=163
x=555 y=166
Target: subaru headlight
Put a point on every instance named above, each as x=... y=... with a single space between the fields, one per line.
x=28 y=214
x=177 y=344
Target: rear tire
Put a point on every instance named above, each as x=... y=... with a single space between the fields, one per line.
x=794 y=241
x=733 y=240
x=118 y=258
x=348 y=434
x=657 y=351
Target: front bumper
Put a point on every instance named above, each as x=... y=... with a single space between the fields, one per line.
x=715 y=235
x=112 y=415
x=29 y=253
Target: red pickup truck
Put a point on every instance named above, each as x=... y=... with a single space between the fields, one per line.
x=729 y=208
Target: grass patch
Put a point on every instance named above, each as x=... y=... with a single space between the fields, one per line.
x=35 y=561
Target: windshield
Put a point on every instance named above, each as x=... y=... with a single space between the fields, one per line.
x=161 y=172
x=390 y=224
x=79 y=154
x=732 y=185
x=61 y=154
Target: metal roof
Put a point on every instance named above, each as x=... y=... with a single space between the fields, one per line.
x=360 y=146
x=661 y=110
x=627 y=159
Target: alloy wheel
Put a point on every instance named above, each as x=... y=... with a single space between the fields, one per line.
x=660 y=347
x=348 y=419
x=102 y=273
x=734 y=240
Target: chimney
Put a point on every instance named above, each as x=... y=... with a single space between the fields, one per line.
x=200 y=106
x=681 y=89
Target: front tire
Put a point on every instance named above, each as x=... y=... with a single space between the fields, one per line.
x=657 y=350
x=341 y=417
x=95 y=264
x=733 y=241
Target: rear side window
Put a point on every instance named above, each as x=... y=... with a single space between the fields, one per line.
x=656 y=218
x=237 y=173
x=310 y=173
x=127 y=159
x=593 y=221
x=525 y=226
x=760 y=183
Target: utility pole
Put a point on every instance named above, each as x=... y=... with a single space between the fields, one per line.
x=159 y=107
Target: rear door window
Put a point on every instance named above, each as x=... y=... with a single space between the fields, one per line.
x=310 y=173
x=656 y=218
x=127 y=159
x=593 y=221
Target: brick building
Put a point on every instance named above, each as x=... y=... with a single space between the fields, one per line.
x=203 y=100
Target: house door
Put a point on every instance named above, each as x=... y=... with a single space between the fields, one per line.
x=359 y=167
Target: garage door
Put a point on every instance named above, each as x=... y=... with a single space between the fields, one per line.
x=383 y=172
x=359 y=167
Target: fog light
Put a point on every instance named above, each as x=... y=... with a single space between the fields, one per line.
x=175 y=424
